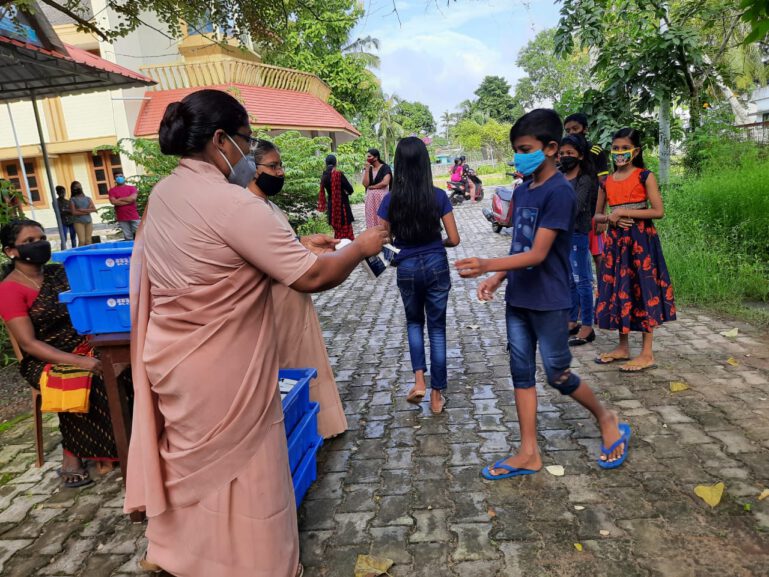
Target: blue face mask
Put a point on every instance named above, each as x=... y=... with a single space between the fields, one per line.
x=528 y=163
x=120 y=180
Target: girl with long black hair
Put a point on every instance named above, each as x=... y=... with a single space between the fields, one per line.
x=414 y=210
x=577 y=165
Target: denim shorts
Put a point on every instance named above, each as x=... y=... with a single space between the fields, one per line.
x=550 y=329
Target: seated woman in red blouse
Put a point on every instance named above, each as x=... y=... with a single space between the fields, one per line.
x=29 y=305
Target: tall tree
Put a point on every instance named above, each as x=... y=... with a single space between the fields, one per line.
x=415 y=117
x=495 y=100
x=551 y=79
x=318 y=41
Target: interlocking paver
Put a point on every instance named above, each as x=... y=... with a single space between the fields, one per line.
x=404 y=483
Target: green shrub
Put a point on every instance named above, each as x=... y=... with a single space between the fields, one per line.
x=314 y=225
x=715 y=236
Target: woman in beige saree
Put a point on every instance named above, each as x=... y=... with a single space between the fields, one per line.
x=299 y=336
x=208 y=459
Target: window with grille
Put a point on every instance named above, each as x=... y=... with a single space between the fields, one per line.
x=11 y=171
x=105 y=165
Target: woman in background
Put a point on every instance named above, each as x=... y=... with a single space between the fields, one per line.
x=81 y=208
x=377 y=177
x=335 y=184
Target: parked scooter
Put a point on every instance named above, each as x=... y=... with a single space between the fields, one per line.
x=501 y=214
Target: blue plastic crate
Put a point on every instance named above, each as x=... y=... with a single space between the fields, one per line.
x=297 y=402
x=306 y=473
x=97 y=267
x=98 y=312
x=304 y=436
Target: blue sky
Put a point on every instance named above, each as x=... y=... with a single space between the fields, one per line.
x=438 y=53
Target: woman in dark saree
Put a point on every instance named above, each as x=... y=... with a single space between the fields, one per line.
x=29 y=305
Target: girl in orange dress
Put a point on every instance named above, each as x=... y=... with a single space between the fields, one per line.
x=635 y=292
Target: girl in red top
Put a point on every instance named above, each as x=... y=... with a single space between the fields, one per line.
x=635 y=293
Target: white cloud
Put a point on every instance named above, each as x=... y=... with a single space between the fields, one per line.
x=439 y=54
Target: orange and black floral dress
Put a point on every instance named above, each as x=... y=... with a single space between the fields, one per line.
x=635 y=293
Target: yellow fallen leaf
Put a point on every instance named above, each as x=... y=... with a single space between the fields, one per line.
x=578 y=546
x=370 y=566
x=711 y=494
x=678 y=386
x=732 y=361
x=731 y=333
x=604 y=532
x=555 y=470
x=764 y=494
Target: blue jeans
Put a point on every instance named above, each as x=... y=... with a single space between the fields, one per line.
x=582 y=280
x=70 y=229
x=526 y=328
x=424 y=283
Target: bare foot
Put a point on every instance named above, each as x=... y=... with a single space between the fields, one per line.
x=639 y=363
x=610 y=434
x=437 y=401
x=532 y=462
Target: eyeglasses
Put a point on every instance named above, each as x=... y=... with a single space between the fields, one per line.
x=252 y=142
x=272 y=165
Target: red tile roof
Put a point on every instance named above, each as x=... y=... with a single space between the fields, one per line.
x=271 y=107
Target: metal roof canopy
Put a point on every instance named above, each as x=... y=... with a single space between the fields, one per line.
x=35 y=63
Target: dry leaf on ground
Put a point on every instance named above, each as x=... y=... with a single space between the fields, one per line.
x=555 y=470
x=604 y=532
x=370 y=566
x=578 y=546
x=764 y=494
x=579 y=508
x=678 y=386
x=730 y=333
x=732 y=361
x=711 y=494
x=492 y=513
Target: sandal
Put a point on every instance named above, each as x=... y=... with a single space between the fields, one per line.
x=415 y=397
x=607 y=359
x=575 y=330
x=79 y=478
x=444 y=400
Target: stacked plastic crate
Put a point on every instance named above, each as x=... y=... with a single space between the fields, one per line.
x=300 y=418
x=98 y=277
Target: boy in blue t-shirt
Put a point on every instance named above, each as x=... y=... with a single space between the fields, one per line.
x=538 y=296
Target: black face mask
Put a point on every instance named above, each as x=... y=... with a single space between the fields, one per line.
x=35 y=252
x=568 y=163
x=269 y=184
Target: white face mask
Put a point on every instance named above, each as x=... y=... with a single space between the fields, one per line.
x=244 y=170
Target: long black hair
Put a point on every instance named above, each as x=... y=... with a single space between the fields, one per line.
x=635 y=138
x=8 y=235
x=414 y=214
x=189 y=125
x=579 y=143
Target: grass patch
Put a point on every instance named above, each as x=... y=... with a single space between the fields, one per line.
x=5 y=478
x=13 y=422
x=715 y=238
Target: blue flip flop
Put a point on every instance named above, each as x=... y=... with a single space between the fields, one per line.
x=624 y=428
x=512 y=471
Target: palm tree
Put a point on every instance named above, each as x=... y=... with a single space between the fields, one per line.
x=362 y=48
x=388 y=129
x=446 y=120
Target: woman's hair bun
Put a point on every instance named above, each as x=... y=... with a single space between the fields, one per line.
x=172 y=134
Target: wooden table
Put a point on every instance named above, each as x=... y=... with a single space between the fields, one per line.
x=115 y=353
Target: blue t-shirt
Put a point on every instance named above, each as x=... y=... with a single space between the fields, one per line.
x=551 y=205
x=435 y=244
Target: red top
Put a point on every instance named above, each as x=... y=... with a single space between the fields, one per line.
x=628 y=191
x=15 y=299
x=127 y=211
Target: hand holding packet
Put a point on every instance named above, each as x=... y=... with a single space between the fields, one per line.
x=377 y=264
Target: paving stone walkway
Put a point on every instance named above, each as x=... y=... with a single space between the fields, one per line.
x=405 y=484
